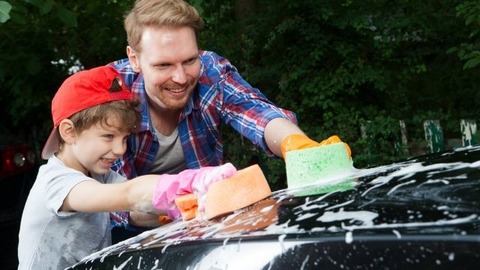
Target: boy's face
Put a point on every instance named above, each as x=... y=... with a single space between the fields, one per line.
x=96 y=148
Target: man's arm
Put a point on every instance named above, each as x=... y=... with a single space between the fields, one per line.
x=277 y=130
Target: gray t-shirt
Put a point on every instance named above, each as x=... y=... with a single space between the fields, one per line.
x=169 y=157
x=50 y=239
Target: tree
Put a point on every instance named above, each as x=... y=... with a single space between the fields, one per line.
x=337 y=64
x=41 y=43
x=469 y=51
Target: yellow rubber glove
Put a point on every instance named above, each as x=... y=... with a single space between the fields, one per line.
x=300 y=141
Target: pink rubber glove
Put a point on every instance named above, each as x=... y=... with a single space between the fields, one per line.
x=197 y=181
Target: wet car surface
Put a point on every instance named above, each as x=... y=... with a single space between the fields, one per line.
x=422 y=213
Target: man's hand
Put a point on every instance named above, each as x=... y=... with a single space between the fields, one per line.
x=300 y=141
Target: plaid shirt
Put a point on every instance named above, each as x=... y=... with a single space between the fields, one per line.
x=221 y=96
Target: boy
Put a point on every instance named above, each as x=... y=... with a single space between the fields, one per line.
x=66 y=216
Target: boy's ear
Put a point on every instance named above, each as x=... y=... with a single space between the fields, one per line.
x=67 y=131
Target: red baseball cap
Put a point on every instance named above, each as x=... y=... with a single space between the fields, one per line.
x=80 y=91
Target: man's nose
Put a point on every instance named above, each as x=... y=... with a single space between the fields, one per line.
x=179 y=75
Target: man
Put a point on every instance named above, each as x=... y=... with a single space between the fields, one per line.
x=187 y=94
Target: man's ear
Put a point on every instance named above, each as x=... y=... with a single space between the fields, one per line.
x=67 y=131
x=133 y=58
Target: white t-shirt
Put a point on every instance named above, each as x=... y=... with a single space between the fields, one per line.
x=50 y=239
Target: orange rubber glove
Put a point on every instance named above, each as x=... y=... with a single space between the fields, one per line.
x=300 y=141
x=164 y=219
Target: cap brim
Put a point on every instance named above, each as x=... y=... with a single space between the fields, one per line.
x=51 y=146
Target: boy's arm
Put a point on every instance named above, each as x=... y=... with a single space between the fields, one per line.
x=153 y=194
x=92 y=196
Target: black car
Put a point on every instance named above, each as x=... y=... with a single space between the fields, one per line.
x=18 y=169
x=422 y=213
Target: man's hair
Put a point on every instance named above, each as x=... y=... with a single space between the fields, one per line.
x=124 y=110
x=159 y=13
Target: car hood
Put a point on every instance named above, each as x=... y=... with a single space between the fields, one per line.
x=432 y=199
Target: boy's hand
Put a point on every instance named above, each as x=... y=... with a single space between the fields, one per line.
x=196 y=181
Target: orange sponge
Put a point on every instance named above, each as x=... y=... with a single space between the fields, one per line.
x=246 y=187
x=187 y=204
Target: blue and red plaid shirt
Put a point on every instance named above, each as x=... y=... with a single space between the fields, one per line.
x=221 y=96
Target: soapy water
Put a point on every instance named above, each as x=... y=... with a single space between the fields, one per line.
x=349 y=208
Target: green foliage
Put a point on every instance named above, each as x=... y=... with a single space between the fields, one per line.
x=5 y=8
x=469 y=51
x=381 y=138
x=337 y=64
x=41 y=44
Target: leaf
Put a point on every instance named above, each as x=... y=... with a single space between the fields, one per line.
x=452 y=50
x=472 y=63
x=469 y=19
x=198 y=5
x=5 y=8
x=46 y=7
x=67 y=16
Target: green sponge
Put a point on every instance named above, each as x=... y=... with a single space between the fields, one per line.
x=324 y=188
x=310 y=166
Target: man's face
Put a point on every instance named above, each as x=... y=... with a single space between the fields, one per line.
x=169 y=63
